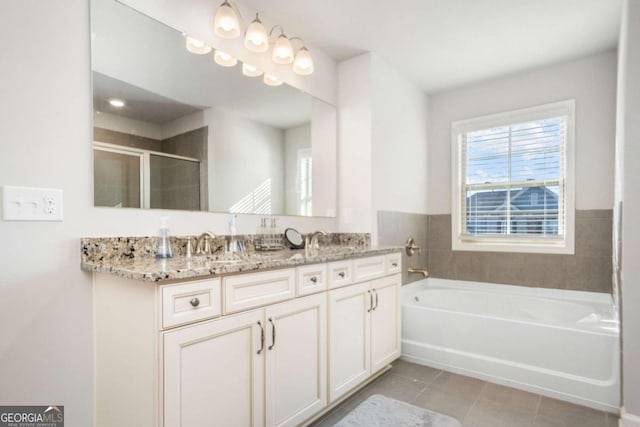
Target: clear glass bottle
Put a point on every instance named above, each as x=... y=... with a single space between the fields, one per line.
x=163 y=249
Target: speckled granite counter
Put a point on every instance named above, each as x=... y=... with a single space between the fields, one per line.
x=133 y=258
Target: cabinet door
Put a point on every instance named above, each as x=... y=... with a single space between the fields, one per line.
x=385 y=322
x=349 y=338
x=296 y=360
x=213 y=374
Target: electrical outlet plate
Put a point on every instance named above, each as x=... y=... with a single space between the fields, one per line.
x=31 y=204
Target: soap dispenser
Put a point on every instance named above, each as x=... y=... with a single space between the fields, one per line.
x=164 y=244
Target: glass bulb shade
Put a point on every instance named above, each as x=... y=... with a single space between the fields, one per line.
x=197 y=47
x=256 y=38
x=303 y=64
x=271 y=80
x=250 y=71
x=118 y=103
x=282 y=51
x=224 y=59
x=226 y=23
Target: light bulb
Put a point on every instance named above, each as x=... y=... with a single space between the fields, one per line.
x=118 y=103
x=271 y=80
x=250 y=71
x=196 y=46
x=226 y=23
x=303 y=64
x=224 y=59
x=282 y=51
x=256 y=38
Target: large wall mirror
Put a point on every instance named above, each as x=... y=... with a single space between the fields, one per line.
x=190 y=134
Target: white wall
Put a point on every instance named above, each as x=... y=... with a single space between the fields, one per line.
x=628 y=142
x=46 y=341
x=399 y=131
x=383 y=154
x=591 y=81
x=243 y=156
x=355 y=196
x=324 y=146
x=295 y=139
x=127 y=125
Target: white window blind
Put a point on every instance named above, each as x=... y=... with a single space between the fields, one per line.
x=512 y=178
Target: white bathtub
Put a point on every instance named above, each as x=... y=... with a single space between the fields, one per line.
x=562 y=344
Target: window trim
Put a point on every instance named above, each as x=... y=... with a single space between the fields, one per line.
x=513 y=244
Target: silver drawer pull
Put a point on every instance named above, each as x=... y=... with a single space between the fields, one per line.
x=341 y=274
x=261 y=338
x=273 y=334
x=314 y=279
x=195 y=302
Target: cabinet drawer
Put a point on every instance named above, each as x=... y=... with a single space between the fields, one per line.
x=190 y=302
x=369 y=268
x=311 y=279
x=394 y=263
x=340 y=274
x=255 y=290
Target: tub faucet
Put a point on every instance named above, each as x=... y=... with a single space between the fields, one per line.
x=422 y=271
x=203 y=247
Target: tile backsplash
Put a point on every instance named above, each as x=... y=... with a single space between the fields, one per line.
x=589 y=269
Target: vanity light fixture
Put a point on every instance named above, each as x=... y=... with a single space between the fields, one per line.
x=282 y=50
x=224 y=59
x=118 y=103
x=303 y=63
x=196 y=46
x=256 y=38
x=270 y=80
x=250 y=71
x=226 y=23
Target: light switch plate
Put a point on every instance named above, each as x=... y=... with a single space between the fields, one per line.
x=31 y=204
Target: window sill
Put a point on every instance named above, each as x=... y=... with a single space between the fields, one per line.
x=564 y=248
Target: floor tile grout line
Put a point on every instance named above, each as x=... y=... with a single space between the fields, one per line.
x=535 y=415
x=466 y=414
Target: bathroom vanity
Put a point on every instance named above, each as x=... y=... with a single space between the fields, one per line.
x=271 y=343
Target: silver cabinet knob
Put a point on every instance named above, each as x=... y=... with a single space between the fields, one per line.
x=314 y=279
x=341 y=274
x=195 y=302
x=395 y=264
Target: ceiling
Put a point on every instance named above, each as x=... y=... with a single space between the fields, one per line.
x=443 y=44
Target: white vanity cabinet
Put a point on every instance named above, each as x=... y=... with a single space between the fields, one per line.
x=364 y=332
x=265 y=349
x=213 y=374
x=222 y=372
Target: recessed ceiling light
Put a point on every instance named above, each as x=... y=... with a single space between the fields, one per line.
x=118 y=103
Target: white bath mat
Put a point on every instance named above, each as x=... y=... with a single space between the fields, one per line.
x=381 y=411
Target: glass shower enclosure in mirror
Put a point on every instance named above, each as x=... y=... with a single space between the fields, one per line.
x=175 y=130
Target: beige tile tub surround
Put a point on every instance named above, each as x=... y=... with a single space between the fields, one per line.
x=589 y=269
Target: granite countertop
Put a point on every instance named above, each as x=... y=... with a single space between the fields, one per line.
x=150 y=269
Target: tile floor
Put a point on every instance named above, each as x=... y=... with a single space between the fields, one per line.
x=474 y=402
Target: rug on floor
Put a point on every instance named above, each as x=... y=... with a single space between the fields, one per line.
x=382 y=411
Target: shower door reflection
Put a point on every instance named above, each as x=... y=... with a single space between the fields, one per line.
x=134 y=178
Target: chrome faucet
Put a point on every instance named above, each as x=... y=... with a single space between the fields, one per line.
x=311 y=242
x=312 y=239
x=203 y=246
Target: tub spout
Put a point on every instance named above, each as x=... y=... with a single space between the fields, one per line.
x=422 y=271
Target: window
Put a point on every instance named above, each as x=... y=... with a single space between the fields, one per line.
x=305 y=184
x=513 y=181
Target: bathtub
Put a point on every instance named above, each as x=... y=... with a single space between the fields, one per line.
x=558 y=343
